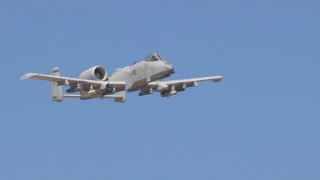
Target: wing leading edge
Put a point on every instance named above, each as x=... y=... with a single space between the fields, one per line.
x=192 y=80
x=172 y=87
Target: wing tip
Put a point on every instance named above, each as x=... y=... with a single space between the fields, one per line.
x=26 y=76
x=217 y=78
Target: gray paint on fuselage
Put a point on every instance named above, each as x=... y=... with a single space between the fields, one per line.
x=137 y=75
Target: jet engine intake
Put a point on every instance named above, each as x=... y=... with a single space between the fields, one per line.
x=95 y=73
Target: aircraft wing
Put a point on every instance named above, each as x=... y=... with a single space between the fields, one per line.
x=187 y=82
x=179 y=85
x=72 y=81
x=193 y=80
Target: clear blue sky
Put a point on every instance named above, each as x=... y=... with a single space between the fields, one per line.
x=261 y=122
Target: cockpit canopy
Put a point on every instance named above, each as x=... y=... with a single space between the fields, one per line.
x=154 y=57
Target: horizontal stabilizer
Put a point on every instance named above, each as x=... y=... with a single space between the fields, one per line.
x=118 y=96
x=76 y=96
x=67 y=80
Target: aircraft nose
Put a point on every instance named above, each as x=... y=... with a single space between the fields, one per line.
x=169 y=66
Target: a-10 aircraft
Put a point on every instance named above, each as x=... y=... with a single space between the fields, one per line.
x=143 y=76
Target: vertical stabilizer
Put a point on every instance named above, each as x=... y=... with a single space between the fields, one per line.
x=56 y=91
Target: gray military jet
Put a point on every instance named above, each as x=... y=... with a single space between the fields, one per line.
x=142 y=76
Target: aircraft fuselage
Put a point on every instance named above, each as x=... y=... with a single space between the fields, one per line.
x=141 y=73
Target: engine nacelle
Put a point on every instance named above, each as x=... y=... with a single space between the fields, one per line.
x=95 y=73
